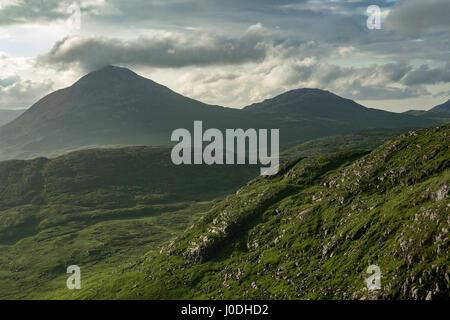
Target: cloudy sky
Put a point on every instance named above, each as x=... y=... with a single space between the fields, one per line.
x=232 y=52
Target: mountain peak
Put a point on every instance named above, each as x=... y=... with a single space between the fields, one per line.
x=306 y=101
x=108 y=74
x=114 y=69
x=303 y=91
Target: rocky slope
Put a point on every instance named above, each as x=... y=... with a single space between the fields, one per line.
x=312 y=231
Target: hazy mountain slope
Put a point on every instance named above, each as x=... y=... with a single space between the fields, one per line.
x=111 y=106
x=323 y=111
x=367 y=140
x=312 y=232
x=439 y=113
x=442 y=108
x=96 y=209
x=114 y=107
x=9 y=115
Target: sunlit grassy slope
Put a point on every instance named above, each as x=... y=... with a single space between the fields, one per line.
x=97 y=209
x=310 y=233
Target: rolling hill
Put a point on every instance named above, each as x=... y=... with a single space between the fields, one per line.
x=98 y=208
x=311 y=233
x=440 y=113
x=366 y=140
x=324 y=113
x=115 y=107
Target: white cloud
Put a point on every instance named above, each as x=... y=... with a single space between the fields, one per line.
x=16 y=88
x=16 y=93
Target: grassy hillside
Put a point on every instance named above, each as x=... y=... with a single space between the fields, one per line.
x=311 y=232
x=97 y=209
x=353 y=141
x=442 y=117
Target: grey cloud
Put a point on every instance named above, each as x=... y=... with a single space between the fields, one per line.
x=425 y=75
x=396 y=71
x=276 y=75
x=400 y=73
x=412 y=16
x=334 y=22
x=372 y=75
x=44 y=11
x=329 y=73
x=442 y=94
x=384 y=93
x=164 y=49
x=29 y=11
x=139 y=11
x=383 y=82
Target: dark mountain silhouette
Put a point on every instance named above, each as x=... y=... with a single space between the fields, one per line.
x=9 y=115
x=323 y=111
x=114 y=106
x=111 y=106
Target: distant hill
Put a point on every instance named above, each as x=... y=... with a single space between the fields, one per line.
x=9 y=115
x=324 y=112
x=97 y=208
x=312 y=232
x=115 y=107
x=442 y=108
x=440 y=113
x=367 y=140
x=111 y=106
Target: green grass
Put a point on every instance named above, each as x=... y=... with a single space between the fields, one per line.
x=310 y=233
x=367 y=140
x=97 y=209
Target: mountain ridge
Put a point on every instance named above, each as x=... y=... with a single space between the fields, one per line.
x=299 y=104
x=116 y=106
